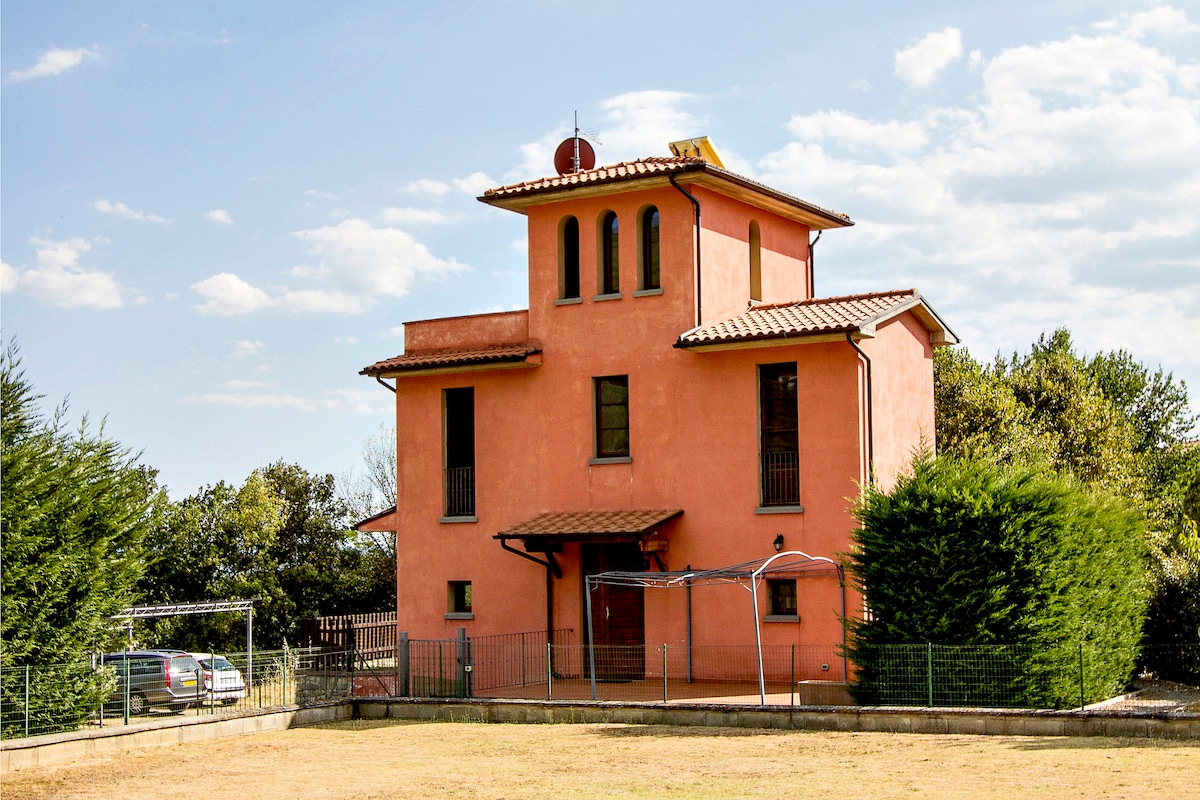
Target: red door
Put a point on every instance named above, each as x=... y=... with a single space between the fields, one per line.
x=618 y=613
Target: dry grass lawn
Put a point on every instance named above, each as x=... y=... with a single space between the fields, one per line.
x=362 y=760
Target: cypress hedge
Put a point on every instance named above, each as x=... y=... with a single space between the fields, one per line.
x=1029 y=575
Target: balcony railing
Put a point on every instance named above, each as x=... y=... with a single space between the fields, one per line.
x=460 y=491
x=780 y=475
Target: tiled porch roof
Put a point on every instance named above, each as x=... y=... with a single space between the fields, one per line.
x=625 y=171
x=818 y=317
x=437 y=359
x=590 y=523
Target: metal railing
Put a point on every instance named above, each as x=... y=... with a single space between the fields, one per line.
x=460 y=491
x=780 y=477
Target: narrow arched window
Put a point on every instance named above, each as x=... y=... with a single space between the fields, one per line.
x=609 y=267
x=568 y=256
x=755 y=262
x=649 y=249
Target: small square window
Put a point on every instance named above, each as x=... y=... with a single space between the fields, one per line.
x=782 y=599
x=459 y=597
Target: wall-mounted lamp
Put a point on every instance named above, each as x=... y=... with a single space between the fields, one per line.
x=778 y=542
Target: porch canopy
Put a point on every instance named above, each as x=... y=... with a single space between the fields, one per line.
x=748 y=575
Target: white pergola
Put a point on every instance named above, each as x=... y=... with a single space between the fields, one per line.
x=748 y=575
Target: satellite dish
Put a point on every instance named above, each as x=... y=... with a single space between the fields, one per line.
x=574 y=155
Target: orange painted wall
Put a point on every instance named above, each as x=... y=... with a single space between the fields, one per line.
x=693 y=431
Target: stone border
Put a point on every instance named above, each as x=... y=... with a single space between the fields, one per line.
x=57 y=747
x=992 y=722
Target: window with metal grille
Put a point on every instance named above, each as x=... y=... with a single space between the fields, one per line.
x=779 y=444
x=781 y=597
x=459 y=430
x=568 y=255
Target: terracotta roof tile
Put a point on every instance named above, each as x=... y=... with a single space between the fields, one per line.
x=591 y=522
x=805 y=318
x=624 y=171
x=432 y=359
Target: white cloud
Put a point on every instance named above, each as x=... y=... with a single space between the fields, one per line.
x=58 y=280
x=1064 y=190
x=426 y=186
x=357 y=401
x=219 y=215
x=359 y=266
x=417 y=215
x=122 y=210
x=847 y=128
x=248 y=347
x=53 y=62
x=317 y=193
x=474 y=184
x=1164 y=19
x=920 y=64
x=228 y=294
x=241 y=384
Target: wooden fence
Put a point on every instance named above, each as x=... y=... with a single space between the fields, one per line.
x=366 y=634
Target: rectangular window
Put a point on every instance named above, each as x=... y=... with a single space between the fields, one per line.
x=779 y=442
x=458 y=597
x=782 y=598
x=612 y=416
x=459 y=431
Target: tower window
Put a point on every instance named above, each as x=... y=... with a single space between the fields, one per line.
x=609 y=258
x=648 y=252
x=568 y=254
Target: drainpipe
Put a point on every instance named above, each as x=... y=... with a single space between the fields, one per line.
x=389 y=387
x=870 y=411
x=696 y=205
x=812 y=286
x=553 y=570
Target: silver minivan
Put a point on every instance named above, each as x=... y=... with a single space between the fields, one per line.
x=169 y=678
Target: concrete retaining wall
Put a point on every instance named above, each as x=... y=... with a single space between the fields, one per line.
x=829 y=718
x=57 y=747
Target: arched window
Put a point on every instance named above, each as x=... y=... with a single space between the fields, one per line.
x=648 y=252
x=568 y=256
x=755 y=262
x=609 y=268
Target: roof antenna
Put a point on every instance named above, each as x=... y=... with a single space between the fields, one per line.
x=575 y=154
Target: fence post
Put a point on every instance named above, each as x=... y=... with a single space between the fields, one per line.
x=125 y=661
x=26 y=700
x=402 y=665
x=929 y=670
x=549 y=670
x=792 y=695
x=664 y=672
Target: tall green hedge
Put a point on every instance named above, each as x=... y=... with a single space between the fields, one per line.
x=961 y=552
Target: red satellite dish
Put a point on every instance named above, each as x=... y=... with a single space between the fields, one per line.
x=564 y=156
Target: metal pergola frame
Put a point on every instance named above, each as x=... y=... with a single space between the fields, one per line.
x=748 y=575
x=186 y=609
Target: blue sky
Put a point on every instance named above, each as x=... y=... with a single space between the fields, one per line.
x=215 y=214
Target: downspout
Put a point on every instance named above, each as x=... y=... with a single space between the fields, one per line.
x=552 y=571
x=696 y=205
x=870 y=411
x=812 y=286
x=390 y=388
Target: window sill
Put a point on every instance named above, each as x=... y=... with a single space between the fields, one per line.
x=796 y=509
x=781 y=618
x=568 y=301
x=452 y=520
x=599 y=297
x=611 y=460
x=460 y=615
x=647 y=292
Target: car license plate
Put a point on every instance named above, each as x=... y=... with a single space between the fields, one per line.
x=192 y=682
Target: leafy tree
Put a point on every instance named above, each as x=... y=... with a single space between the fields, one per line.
x=282 y=539
x=76 y=508
x=1106 y=420
x=962 y=552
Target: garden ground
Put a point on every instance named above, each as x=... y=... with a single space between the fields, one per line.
x=387 y=759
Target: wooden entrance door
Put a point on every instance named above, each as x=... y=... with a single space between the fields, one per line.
x=618 y=613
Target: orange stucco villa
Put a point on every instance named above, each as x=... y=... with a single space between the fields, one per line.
x=674 y=397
